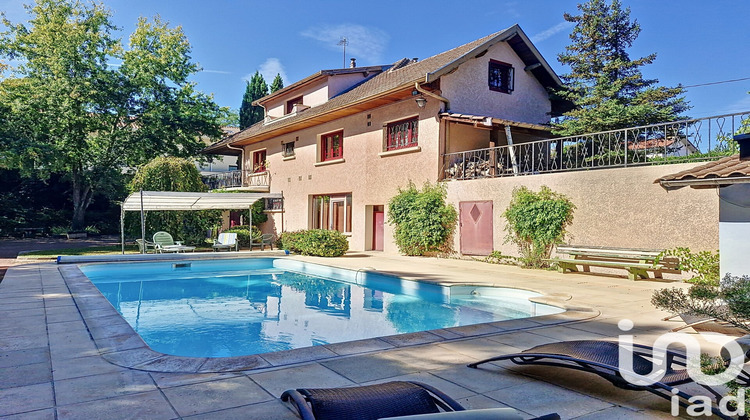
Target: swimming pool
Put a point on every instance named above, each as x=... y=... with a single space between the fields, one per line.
x=224 y=308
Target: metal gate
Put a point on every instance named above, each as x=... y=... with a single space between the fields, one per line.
x=475 y=227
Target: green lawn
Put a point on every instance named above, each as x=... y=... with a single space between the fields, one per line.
x=94 y=250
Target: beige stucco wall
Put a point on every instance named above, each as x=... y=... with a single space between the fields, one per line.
x=312 y=95
x=371 y=179
x=615 y=207
x=468 y=92
x=462 y=137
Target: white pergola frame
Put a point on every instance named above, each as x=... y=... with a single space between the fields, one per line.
x=144 y=201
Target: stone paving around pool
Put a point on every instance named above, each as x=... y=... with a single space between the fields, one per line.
x=56 y=364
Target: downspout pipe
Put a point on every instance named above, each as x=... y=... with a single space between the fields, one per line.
x=433 y=95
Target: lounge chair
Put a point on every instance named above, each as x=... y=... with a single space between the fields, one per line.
x=165 y=243
x=145 y=246
x=394 y=400
x=226 y=241
x=602 y=358
x=706 y=324
x=262 y=241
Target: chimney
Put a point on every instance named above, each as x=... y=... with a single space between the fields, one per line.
x=744 y=142
x=353 y=63
x=414 y=60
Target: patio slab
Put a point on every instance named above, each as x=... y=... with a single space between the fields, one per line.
x=86 y=370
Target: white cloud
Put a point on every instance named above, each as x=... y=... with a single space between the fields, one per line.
x=549 y=33
x=269 y=69
x=366 y=44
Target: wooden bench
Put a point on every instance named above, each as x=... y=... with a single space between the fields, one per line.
x=638 y=262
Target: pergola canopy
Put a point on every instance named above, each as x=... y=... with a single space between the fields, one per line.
x=170 y=200
x=144 y=201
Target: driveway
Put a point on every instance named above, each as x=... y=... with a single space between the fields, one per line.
x=10 y=248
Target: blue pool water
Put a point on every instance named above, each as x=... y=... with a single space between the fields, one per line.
x=210 y=308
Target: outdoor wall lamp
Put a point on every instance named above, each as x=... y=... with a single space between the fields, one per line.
x=420 y=99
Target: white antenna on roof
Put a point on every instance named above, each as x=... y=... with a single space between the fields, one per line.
x=344 y=42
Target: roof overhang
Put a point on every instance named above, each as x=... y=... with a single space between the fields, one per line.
x=700 y=183
x=394 y=95
x=171 y=200
x=480 y=121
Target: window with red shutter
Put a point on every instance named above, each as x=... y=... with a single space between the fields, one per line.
x=332 y=146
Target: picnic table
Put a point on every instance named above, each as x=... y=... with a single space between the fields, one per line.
x=638 y=262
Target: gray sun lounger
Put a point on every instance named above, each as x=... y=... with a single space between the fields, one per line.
x=602 y=358
x=392 y=400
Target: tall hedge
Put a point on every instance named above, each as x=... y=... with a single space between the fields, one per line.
x=423 y=222
x=172 y=174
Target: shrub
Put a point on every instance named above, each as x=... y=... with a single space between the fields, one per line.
x=728 y=301
x=703 y=265
x=245 y=234
x=288 y=241
x=536 y=222
x=317 y=242
x=423 y=222
x=92 y=230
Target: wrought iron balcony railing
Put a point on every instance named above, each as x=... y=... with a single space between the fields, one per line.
x=233 y=179
x=674 y=142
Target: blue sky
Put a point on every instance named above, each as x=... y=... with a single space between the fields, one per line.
x=697 y=41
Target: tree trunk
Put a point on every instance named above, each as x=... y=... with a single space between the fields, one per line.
x=81 y=200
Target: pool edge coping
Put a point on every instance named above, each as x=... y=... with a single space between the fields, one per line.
x=118 y=343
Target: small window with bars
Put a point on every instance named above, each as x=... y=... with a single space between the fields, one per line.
x=500 y=78
x=273 y=204
x=402 y=134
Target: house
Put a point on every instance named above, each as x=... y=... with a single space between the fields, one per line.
x=730 y=176
x=339 y=143
x=220 y=171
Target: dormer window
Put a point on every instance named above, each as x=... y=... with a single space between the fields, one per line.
x=291 y=103
x=500 y=77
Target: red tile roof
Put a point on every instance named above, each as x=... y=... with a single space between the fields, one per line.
x=724 y=171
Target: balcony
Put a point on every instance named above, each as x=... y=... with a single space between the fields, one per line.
x=695 y=140
x=253 y=181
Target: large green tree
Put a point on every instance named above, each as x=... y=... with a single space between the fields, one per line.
x=255 y=89
x=278 y=83
x=605 y=84
x=81 y=104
